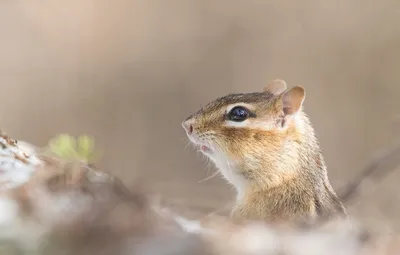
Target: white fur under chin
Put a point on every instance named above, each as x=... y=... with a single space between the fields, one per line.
x=224 y=165
x=229 y=172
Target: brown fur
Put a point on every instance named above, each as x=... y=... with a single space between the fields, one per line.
x=276 y=154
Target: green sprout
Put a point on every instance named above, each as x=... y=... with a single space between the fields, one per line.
x=70 y=148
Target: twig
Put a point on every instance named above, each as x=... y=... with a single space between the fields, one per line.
x=380 y=167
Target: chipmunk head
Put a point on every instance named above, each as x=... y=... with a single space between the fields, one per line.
x=248 y=136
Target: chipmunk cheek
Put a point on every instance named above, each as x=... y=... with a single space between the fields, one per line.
x=233 y=154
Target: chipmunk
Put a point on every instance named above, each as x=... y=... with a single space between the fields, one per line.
x=265 y=146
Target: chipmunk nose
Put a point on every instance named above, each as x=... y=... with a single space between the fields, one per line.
x=188 y=126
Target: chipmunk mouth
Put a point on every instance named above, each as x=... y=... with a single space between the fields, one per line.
x=205 y=149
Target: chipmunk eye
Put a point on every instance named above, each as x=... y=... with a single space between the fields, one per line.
x=238 y=114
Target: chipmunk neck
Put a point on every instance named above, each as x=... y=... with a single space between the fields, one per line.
x=297 y=160
x=289 y=181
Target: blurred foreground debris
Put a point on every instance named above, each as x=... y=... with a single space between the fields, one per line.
x=66 y=206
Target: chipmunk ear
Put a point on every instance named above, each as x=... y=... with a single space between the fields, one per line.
x=276 y=87
x=293 y=99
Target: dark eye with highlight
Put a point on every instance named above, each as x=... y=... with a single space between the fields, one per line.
x=238 y=114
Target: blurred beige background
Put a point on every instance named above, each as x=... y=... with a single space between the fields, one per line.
x=129 y=71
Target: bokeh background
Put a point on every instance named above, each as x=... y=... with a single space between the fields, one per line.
x=129 y=72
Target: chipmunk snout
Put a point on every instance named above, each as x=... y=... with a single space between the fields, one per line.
x=188 y=126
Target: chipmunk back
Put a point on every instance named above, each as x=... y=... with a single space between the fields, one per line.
x=264 y=144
